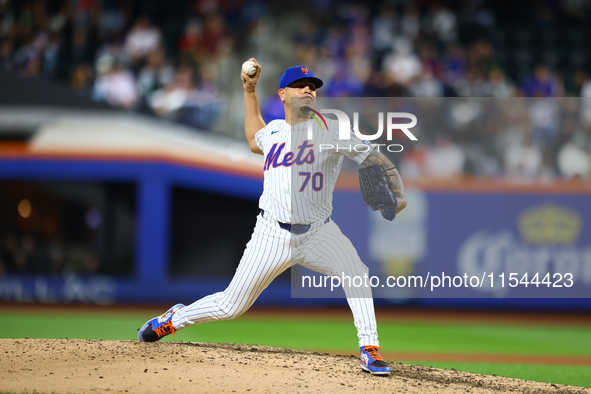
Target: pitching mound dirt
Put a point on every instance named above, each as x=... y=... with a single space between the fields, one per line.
x=90 y=366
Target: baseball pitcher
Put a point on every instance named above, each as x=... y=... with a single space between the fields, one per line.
x=295 y=225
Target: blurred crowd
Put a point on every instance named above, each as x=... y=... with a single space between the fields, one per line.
x=518 y=139
x=180 y=59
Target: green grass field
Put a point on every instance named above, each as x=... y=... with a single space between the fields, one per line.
x=338 y=335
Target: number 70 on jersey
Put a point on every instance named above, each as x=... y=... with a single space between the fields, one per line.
x=316 y=180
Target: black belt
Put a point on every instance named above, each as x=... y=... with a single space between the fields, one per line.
x=297 y=229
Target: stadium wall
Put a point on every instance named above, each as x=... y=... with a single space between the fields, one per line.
x=457 y=232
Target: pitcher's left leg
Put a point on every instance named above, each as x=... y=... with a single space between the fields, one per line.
x=330 y=252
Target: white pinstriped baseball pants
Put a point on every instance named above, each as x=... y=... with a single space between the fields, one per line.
x=271 y=251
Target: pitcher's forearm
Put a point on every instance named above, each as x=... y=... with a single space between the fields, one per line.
x=253 y=120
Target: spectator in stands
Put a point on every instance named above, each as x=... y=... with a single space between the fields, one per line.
x=115 y=84
x=141 y=40
x=441 y=22
x=474 y=84
x=154 y=75
x=414 y=162
x=375 y=85
x=383 y=32
x=335 y=41
x=203 y=105
x=426 y=85
x=523 y=159
x=204 y=40
x=429 y=60
x=307 y=40
x=541 y=84
x=481 y=58
x=545 y=118
x=574 y=159
x=498 y=85
x=323 y=60
x=51 y=56
x=192 y=38
x=174 y=96
x=410 y=23
x=445 y=159
x=29 y=57
x=402 y=65
x=344 y=83
x=454 y=64
x=360 y=53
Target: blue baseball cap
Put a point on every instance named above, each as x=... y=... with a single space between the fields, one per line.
x=296 y=73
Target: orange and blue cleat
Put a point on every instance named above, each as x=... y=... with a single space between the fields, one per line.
x=371 y=361
x=159 y=327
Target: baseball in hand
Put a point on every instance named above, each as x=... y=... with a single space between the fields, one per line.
x=249 y=68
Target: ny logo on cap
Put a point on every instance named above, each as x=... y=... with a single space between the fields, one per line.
x=304 y=70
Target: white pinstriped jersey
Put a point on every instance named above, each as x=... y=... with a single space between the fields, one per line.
x=299 y=181
x=300 y=173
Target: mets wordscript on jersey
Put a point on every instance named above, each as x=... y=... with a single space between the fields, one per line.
x=304 y=155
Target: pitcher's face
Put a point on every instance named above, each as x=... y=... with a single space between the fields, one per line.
x=302 y=89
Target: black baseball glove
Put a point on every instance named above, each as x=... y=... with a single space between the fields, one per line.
x=373 y=183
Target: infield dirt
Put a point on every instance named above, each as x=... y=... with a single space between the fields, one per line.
x=93 y=366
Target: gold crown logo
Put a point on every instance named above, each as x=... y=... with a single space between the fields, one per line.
x=550 y=224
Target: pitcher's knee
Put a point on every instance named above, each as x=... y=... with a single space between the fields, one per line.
x=231 y=310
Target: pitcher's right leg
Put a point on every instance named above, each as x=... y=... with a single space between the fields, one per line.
x=266 y=256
